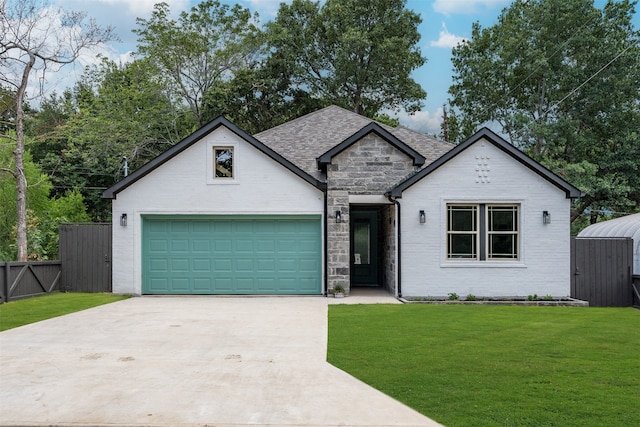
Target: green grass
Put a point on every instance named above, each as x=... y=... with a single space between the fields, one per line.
x=496 y=365
x=30 y=310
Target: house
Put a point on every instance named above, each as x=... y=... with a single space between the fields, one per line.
x=336 y=198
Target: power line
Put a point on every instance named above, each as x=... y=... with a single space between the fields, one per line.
x=589 y=79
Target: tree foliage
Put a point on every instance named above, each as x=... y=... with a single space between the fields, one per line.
x=561 y=79
x=358 y=54
x=117 y=113
x=204 y=47
x=44 y=214
x=33 y=38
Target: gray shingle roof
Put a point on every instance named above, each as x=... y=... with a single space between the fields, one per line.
x=306 y=138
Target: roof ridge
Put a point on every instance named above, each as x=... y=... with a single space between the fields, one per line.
x=305 y=116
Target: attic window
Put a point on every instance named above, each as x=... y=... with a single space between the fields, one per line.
x=223 y=162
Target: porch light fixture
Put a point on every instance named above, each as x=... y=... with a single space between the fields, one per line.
x=123 y=220
x=546 y=217
x=338 y=217
x=423 y=217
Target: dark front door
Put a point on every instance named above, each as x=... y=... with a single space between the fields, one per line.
x=364 y=247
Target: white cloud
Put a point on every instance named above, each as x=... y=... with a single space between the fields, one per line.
x=266 y=7
x=466 y=7
x=141 y=8
x=421 y=121
x=446 y=39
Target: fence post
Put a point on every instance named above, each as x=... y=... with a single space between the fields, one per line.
x=7 y=267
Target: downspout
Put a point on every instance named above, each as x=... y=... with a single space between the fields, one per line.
x=399 y=247
x=325 y=244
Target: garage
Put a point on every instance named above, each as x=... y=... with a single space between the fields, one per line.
x=232 y=254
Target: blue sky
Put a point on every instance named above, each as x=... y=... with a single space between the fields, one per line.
x=444 y=23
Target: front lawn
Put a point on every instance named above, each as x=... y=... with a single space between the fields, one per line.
x=30 y=310
x=494 y=365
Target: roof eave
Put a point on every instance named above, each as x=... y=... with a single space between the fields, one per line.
x=373 y=127
x=570 y=191
x=188 y=141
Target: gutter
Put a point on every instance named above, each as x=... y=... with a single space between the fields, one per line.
x=399 y=240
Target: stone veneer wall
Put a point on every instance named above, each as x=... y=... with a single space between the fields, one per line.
x=389 y=235
x=369 y=167
x=338 y=239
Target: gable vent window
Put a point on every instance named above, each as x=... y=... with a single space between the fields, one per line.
x=483 y=232
x=223 y=162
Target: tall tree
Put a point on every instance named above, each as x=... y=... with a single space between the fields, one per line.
x=560 y=78
x=117 y=112
x=35 y=37
x=204 y=47
x=355 y=53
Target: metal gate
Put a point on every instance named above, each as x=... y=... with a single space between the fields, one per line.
x=601 y=271
x=85 y=254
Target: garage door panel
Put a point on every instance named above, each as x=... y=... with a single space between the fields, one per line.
x=180 y=283
x=214 y=255
x=179 y=226
x=265 y=245
x=244 y=265
x=223 y=265
x=265 y=265
x=202 y=284
x=179 y=245
x=202 y=265
x=158 y=245
x=179 y=265
x=243 y=226
x=223 y=244
x=158 y=265
x=223 y=284
x=200 y=245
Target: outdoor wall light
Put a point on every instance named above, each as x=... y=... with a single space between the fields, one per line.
x=338 y=217
x=123 y=220
x=423 y=217
x=546 y=217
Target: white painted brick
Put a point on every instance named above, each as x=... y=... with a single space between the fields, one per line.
x=544 y=265
x=180 y=187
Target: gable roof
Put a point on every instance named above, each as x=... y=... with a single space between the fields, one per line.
x=187 y=142
x=503 y=145
x=372 y=127
x=306 y=138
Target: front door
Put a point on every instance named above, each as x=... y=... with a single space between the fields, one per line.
x=364 y=247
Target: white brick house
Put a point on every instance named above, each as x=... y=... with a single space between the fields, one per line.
x=336 y=198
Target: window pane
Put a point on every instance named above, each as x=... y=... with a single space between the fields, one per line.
x=361 y=242
x=224 y=162
x=502 y=218
x=462 y=246
x=503 y=246
x=462 y=218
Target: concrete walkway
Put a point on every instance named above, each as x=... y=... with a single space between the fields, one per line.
x=186 y=361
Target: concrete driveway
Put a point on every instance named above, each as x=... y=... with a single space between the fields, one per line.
x=187 y=361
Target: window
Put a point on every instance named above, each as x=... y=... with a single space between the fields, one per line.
x=483 y=232
x=223 y=162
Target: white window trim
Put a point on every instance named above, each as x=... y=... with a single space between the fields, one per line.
x=209 y=173
x=468 y=263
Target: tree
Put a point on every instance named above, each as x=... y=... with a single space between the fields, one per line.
x=203 y=48
x=258 y=98
x=561 y=79
x=114 y=112
x=44 y=214
x=358 y=54
x=35 y=38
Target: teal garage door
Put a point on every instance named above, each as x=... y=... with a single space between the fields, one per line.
x=231 y=255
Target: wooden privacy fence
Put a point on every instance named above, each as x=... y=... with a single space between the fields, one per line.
x=602 y=271
x=85 y=254
x=25 y=279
